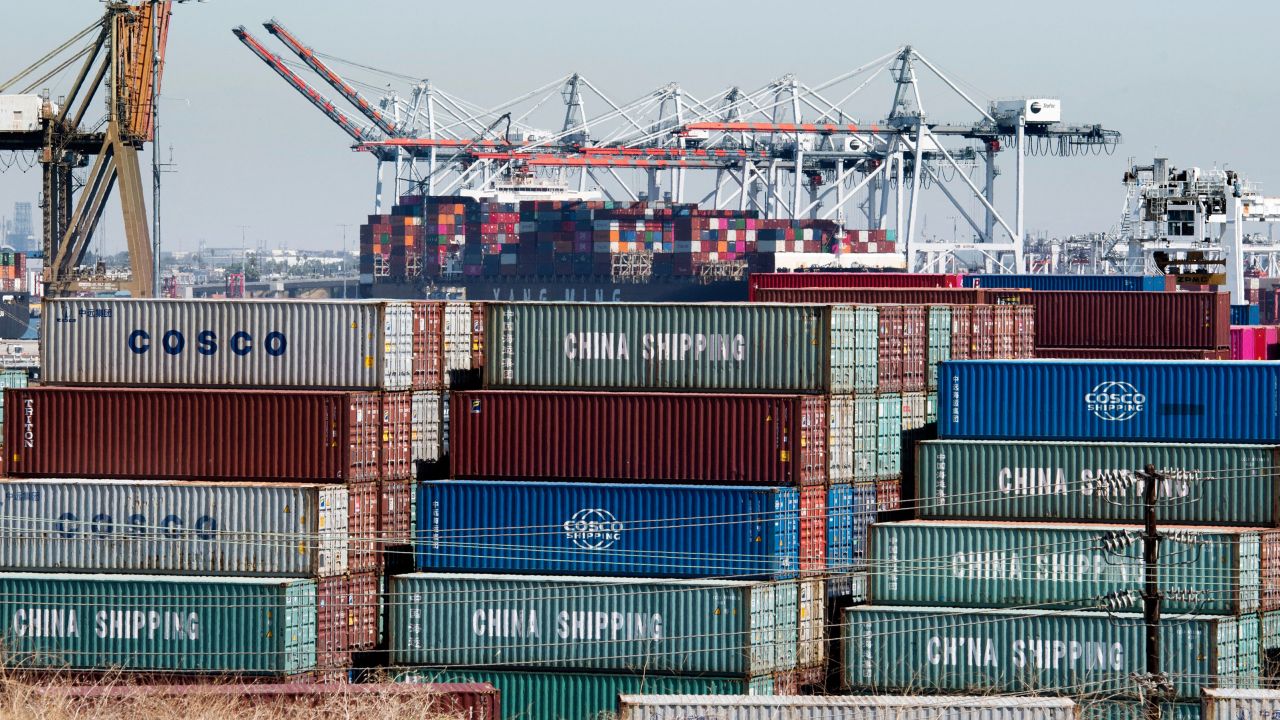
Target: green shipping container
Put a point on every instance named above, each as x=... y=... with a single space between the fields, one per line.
x=745 y=347
x=949 y=650
x=853 y=438
x=970 y=564
x=142 y=622
x=718 y=627
x=574 y=696
x=889 y=438
x=1094 y=482
x=10 y=379
x=939 y=342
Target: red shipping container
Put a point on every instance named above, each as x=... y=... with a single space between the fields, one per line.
x=363 y=608
x=1004 y=328
x=363 y=508
x=982 y=330
x=876 y=296
x=277 y=436
x=915 y=342
x=396 y=448
x=333 y=630
x=1130 y=354
x=891 y=350
x=663 y=437
x=1024 y=327
x=395 y=512
x=1177 y=320
x=428 y=346
x=850 y=280
x=813 y=529
x=961 y=332
x=888 y=495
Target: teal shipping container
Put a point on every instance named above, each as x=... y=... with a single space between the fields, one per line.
x=977 y=564
x=701 y=346
x=10 y=379
x=1078 y=653
x=573 y=696
x=853 y=438
x=1097 y=482
x=889 y=437
x=939 y=345
x=717 y=627
x=145 y=622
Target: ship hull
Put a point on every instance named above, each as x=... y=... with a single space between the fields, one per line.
x=563 y=290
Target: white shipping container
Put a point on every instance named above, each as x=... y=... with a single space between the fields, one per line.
x=228 y=343
x=429 y=435
x=190 y=528
x=849 y=707
x=20 y=113
x=457 y=340
x=811 y=651
x=1239 y=704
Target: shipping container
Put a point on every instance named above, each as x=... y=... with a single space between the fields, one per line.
x=850 y=511
x=1097 y=482
x=961 y=332
x=363 y=609
x=878 y=296
x=1128 y=319
x=844 y=589
x=987 y=564
x=1135 y=710
x=428 y=346
x=848 y=707
x=939 y=344
x=1245 y=315
x=472 y=701
x=852 y=438
x=1092 y=283
x=310 y=344
x=1130 y=354
x=395 y=451
x=671 y=438
x=648 y=346
x=429 y=433
x=364 y=503
x=1094 y=400
x=759 y=281
x=889 y=437
x=396 y=512
x=140 y=526
x=813 y=529
x=570 y=696
x=811 y=650
x=607 y=529
x=800 y=681
x=10 y=379
x=252 y=626
x=1230 y=704
x=194 y=434
x=457 y=345
x=943 y=649
x=717 y=627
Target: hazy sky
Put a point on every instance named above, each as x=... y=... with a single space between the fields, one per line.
x=1190 y=81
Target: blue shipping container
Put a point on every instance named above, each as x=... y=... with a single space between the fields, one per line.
x=1093 y=283
x=850 y=511
x=1245 y=315
x=1186 y=401
x=680 y=531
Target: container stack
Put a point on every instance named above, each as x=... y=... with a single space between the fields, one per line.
x=206 y=513
x=1023 y=571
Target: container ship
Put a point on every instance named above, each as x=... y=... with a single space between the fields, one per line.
x=521 y=244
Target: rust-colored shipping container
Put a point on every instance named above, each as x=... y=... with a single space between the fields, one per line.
x=428 y=345
x=890 y=350
x=813 y=529
x=363 y=609
x=982 y=332
x=961 y=332
x=362 y=527
x=1179 y=320
x=888 y=495
x=667 y=437
x=1003 y=329
x=333 y=631
x=1024 y=328
x=395 y=512
x=769 y=281
x=1130 y=354
x=277 y=436
x=915 y=342
x=396 y=450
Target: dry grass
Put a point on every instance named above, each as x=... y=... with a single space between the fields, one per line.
x=115 y=699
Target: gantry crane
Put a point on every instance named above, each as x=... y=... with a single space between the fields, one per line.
x=125 y=59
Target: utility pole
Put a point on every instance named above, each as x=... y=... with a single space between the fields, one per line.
x=1151 y=594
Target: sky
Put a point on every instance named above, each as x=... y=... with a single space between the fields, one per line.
x=252 y=159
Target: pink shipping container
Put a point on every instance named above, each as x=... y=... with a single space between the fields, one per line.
x=1248 y=342
x=664 y=437
x=193 y=434
x=1130 y=354
x=851 y=280
x=1179 y=320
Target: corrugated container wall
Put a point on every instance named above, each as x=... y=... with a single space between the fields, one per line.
x=1064 y=566
x=760 y=281
x=1230 y=704
x=1097 y=482
x=1127 y=319
x=193 y=434
x=851 y=438
x=561 y=696
x=717 y=627
x=171 y=527
x=851 y=707
x=701 y=346
x=1092 y=283
x=1130 y=354
x=601 y=529
x=228 y=343
x=141 y=622
x=1083 y=653
x=874 y=296
x=1083 y=400
x=850 y=510
x=672 y=438
x=11 y=379
x=429 y=439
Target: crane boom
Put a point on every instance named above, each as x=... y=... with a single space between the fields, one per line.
x=325 y=105
x=344 y=88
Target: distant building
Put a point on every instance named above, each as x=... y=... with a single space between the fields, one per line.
x=18 y=232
